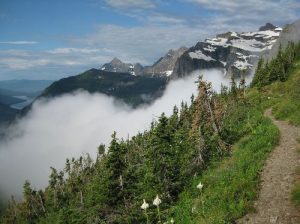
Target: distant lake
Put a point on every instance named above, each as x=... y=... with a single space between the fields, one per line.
x=20 y=106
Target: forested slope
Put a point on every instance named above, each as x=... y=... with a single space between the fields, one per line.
x=201 y=164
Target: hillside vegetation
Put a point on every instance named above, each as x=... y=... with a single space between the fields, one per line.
x=200 y=165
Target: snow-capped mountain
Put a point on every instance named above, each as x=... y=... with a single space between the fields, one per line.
x=237 y=53
x=162 y=67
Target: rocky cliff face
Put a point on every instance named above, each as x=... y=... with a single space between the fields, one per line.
x=236 y=53
x=165 y=65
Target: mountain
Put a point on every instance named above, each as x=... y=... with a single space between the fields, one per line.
x=163 y=66
x=237 y=53
x=134 y=90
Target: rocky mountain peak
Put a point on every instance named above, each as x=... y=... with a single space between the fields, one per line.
x=267 y=26
x=116 y=61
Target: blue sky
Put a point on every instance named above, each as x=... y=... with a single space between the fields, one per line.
x=58 y=38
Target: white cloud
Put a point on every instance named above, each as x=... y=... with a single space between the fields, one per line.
x=73 y=50
x=21 y=64
x=25 y=59
x=20 y=42
x=159 y=18
x=131 y=4
x=144 y=44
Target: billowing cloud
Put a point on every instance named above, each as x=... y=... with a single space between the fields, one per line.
x=77 y=123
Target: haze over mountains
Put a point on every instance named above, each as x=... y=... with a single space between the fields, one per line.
x=16 y=94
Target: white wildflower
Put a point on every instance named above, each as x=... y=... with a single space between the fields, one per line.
x=156 y=201
x=200 y=186
x=145 y=205
x=172 y=220
x=193 y=209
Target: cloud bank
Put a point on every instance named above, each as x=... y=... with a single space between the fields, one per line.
x=77 y=123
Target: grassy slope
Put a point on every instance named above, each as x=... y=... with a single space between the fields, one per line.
x=230 y=186
x=287 y=102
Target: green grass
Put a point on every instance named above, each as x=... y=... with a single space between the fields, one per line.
x=230 y=186
x=283 y=97
x=287 y=97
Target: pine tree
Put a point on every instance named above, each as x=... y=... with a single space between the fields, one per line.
x=233 y=89
x=115 y=165
x=259 y=74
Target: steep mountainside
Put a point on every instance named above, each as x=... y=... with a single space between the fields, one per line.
x=291 y=32
x=234 y=52
x=133 y=90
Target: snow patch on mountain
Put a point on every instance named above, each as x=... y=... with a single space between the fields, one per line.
x=199 y=55
x=237 y=53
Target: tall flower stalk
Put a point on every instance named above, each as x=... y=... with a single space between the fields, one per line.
x=145 y=206
x=200 y=187
x=157 y=202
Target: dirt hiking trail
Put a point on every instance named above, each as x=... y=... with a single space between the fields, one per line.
x=273 y=204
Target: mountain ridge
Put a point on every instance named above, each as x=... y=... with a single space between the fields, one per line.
x=235 y=53
x=163 y=66
x=133 y=90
